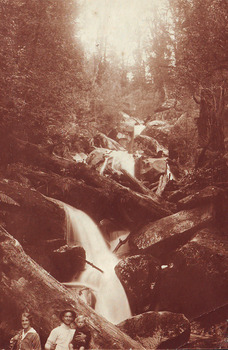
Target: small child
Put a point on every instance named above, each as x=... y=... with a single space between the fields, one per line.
x=82 y=332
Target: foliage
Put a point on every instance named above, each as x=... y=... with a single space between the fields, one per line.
x=42 y=79
x=200 y=42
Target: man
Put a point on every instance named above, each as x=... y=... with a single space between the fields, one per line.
x=61 y=336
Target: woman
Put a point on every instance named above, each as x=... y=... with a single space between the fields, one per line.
x=27 y=338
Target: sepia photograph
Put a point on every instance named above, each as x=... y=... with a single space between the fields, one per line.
x=113 y=174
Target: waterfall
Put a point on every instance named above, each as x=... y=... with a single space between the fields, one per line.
x=111 y=300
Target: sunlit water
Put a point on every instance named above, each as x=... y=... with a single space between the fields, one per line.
x=111 y=300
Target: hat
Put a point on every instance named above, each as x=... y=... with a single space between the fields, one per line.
x=62 y=313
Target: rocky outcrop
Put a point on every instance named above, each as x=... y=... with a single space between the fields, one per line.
x=158 y=330
x=196 y=280
x=25 y=284
x=138 y=275
x=161 y=237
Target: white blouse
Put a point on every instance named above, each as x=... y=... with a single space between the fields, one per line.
x=61 y=336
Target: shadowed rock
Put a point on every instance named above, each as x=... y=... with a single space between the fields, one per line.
x=158 y=330
x=138 y=275
x=196 y=280
x=67 y=262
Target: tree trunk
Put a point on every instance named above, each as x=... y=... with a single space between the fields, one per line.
x=211 y=119
x=25 y=284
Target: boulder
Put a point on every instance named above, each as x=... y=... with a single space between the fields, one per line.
x=196 y=281
x=67 y=261
x=105 y=160
x=79 y=157
x=149 y=146
x=158 y=330
x=161 y=237
x=138 y=275
x=152 y=169
x=159 y=130
x=100 y=140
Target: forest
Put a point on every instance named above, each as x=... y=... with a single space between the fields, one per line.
x=114 y=170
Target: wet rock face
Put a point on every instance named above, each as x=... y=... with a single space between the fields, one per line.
x=67 y=261
x=196 y=281
x=163 y=330
x=138 y=275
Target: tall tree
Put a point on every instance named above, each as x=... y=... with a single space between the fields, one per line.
x=201 y=34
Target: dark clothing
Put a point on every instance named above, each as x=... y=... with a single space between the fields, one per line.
x=84 y=330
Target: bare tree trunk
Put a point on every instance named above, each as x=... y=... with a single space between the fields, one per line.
x=211 y=119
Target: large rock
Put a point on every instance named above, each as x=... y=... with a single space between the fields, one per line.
x=25 y=284
x=196 y=280
x=152 y=169
x=67 y=261
x=138 y=275
x=149 y=146
x=159 y=130
x=105 y=160
x=100 y=140
x=158 y=330
x=167 y=234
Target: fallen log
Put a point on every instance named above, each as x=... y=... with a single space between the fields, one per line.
x=139 y=187
x=25 y=284
x=206 y=195
x=34 y=217
x=100 y=198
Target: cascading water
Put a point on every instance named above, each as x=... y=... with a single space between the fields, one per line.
x=111 y=300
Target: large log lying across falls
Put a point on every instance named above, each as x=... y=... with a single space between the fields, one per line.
x=25 y=284
x=85 y=189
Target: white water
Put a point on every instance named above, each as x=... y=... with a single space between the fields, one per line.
x=111 y=301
